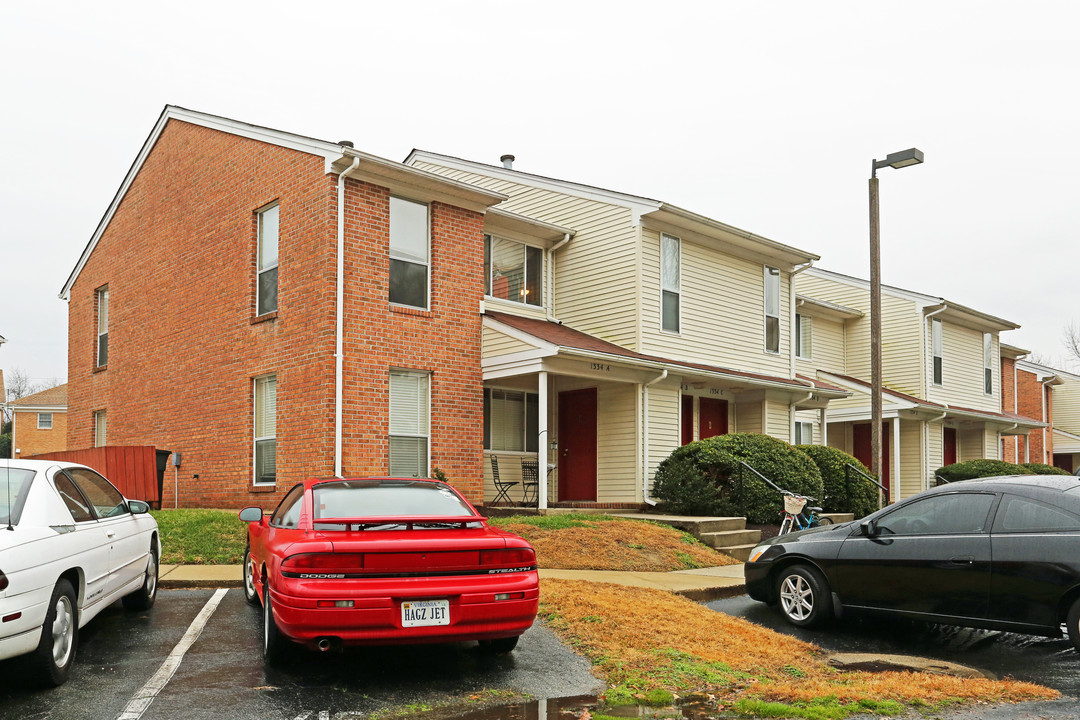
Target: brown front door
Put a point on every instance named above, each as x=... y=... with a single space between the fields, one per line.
x=949 y=449
x=863 y=449
x=687 y=419
x=577 y=445
x=714 y=415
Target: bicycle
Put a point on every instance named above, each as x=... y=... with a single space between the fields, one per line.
x=797 y=516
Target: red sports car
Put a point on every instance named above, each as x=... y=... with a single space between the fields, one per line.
x=376 y=561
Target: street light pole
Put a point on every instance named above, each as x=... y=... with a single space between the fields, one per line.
x=895 y=160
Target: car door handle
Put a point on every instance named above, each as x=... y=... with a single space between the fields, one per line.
x=962 y=560
x=110 y=534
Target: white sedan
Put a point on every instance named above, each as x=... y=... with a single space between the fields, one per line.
x=70 y=545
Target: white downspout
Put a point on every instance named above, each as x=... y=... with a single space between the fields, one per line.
x=791 y=412
x=551 y=278
x=339 y=330
x=645 y=436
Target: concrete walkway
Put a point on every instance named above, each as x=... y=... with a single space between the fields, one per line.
x=701 y=585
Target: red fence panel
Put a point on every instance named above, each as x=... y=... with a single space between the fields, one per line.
x=132 y=469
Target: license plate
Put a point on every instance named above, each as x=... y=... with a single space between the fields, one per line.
x=417 y=613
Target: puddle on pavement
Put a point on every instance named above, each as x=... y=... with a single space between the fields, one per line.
x=587 y=707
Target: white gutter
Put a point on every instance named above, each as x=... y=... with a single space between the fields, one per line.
x=645 y=436
x=551 y=278
x=339 y=355
x=791 y=412
x=791 y=291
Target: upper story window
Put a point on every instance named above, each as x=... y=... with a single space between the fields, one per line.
x=670 y=282
x=988 y=363
x=936 y=343
x=44 y=421
x=99 y=428
x=410 y=410
x=772 y=309
x=266 y=302
x=266 y=430
x=102 y=299
x=804 y=336
x=410 y=235
x=513 y=271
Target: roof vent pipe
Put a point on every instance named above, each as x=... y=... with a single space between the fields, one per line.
x=346 y=143
x=508 y=161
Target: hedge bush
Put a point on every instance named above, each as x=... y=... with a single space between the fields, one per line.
x=980 y=468
x=1044 y=469
x=857 y=495
x=703 y=477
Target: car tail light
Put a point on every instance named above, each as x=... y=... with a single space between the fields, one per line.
x=324 y=563
x=508 y=558
x=3 y=581
x=336 y=603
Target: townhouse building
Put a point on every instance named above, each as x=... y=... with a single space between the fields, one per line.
x=1028 y=389
x=271 y=307
x=627 y=327
x=1066 y=419
x=942 y=378
x=39 y=422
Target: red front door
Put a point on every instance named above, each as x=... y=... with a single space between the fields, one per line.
x=687 y=419
x=714 y=416
x=863 y=450
x=577 y=445
x=949 y=450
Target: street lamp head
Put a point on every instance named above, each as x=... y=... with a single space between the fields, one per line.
x=911 y=156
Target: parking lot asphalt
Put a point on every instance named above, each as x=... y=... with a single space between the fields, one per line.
x=222 y=673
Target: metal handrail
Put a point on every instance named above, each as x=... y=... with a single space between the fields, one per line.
x=866 y=476
x=764 y=479
x=940 y=479
x=883 y=492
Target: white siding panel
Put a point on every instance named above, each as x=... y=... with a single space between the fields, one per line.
x=962 y=369
x=827 y=348
x=749 y=417
x=779 y=420
x=497 y=343
x=664 y=407
x=1067 y=404
x=935 y=449
x=911 y=458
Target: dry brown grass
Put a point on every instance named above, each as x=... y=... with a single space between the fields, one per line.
x=613 y=544
x=644 y=639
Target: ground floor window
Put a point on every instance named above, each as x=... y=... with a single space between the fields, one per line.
x=511 y=420
x=409 y=423
x=804 y=433
x=99 y=428
x=266 y=429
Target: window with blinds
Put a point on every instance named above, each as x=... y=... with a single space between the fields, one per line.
x=266 y=430
x=772 y=309
x=410 y=237
x=670 y=282
x=936 y=347
x=409 y=423
x=102 y=326
x=804 y=334
x=99 y=428
x=511 y=420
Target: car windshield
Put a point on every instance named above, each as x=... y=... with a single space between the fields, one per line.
x=14 y=486
x=386 y=498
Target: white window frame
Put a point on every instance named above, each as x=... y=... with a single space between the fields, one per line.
x=489 y=268
x=937 y=351
x=489 y=432
x=771 y=272
x=801 y=428
x=804 y=336
x=418 y=434
x=256 y=438
x=677 y=289
x=273 y=207
x=400 y=257
x=42 y=423
x=988 y=364
x=101 y=298
x=100 y=428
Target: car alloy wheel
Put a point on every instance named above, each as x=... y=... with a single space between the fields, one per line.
x=803 y=595
x=59 y=635
x=249 y=579
x=797 y=597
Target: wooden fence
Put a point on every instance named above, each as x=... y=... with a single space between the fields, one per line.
x=133 y=470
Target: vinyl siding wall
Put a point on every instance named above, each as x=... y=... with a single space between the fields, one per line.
x=779 y=420
x=902 y=348
x=496 y=343
x=1067 y=404
x=595 y=273
x=722 y=303
x=935 y=448
x=962 y=369
x=972 y=445
x=828 y=348
x=912 y=467
x=664 y=407
x=749 y=417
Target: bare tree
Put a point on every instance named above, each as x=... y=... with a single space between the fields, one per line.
x=19 y=384
x=1071 y=340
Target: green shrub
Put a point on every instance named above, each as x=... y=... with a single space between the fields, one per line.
x=979 y=469
x=1044 y=469
x=855 y=495
x=705 y=477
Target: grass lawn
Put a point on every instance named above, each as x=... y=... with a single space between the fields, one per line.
x=650 y=645
x=201 y=537
x=583 y=541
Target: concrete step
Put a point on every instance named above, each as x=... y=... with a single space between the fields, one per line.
x=838 y=518
x=730 y=538
x=693 y=525
x=739 y=552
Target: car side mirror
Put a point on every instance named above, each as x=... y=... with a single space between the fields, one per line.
x=138 y=507
x=869 y=528
x=251 y=514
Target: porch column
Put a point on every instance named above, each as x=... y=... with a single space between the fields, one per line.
x=543 y=440
x=824 y=428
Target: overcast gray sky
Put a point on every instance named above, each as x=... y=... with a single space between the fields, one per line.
x=764 y=115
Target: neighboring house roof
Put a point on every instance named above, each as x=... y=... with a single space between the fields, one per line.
x=952 y=411
x=337 y=157
x=1013 y=351
x=566 y=337
x=942 y=307
x=53 y=398
x=640 y=206
x=1045 y=372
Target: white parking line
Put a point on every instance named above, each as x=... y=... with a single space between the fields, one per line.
x=142 y=699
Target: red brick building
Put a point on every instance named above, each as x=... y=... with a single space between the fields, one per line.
x=39 y=422
x=208 y=314
x=1027 y=390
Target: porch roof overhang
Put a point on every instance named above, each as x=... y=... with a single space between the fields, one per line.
x=969 y=317
x=823 y=308
x=899 y=404
x=563 y=350
x=519 y=227
x=1066 y=442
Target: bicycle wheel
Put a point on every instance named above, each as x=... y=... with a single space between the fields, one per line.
x=823 y=520
x=785 y=526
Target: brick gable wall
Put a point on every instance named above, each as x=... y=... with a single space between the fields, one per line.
x=29 y=440
x=184 y=344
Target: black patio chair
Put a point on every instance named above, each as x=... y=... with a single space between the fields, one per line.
x=501 y=487
x=530 y=480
